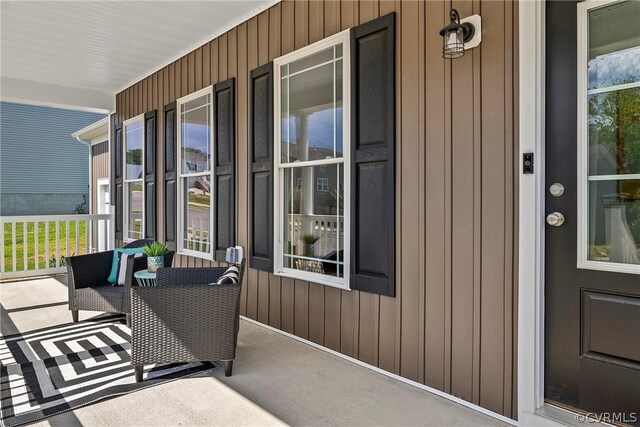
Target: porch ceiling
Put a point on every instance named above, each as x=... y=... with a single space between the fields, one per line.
x=80 y=54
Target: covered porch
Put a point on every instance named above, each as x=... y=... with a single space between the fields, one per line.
x=277 y=381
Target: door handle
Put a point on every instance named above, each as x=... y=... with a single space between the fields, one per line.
x=555 y=219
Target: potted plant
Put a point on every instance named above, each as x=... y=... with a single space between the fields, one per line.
x=309 y=241
x=155 y=255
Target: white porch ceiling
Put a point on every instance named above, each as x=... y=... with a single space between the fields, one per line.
x=79 y=54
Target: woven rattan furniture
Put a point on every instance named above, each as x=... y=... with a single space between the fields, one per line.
x=184 y=318
x=88 y=285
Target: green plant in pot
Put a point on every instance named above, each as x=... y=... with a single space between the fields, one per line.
x=309 y=241
x=155 y=255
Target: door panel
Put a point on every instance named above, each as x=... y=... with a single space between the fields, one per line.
x=592 y=291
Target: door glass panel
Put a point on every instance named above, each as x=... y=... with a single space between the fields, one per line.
x=613 y=122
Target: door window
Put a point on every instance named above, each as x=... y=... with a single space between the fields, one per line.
x=609 y=137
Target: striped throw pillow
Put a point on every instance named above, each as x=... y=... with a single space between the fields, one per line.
x=230 y=277
x=122 y=267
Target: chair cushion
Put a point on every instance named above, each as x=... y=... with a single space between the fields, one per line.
x=121 y=275
x=113 y=276
x=230 y=277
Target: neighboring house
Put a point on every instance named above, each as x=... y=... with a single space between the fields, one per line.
x=43 y=170
x=96 y=137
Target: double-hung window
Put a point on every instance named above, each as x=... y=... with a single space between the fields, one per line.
x=311 y=125
x=195 y=173
x=133 y=224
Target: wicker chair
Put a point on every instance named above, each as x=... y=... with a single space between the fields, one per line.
x=184 y=318
x=88 y=286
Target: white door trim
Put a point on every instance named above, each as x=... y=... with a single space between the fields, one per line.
x=531 y=54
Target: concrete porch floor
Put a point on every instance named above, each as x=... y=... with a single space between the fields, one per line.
x=276 y=381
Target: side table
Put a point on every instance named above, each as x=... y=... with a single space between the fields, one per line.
x=145 y=278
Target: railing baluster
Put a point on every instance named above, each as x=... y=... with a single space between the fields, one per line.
x=47 y=242
x=57 y=244
x=25 y=245
x=77 y=237
x=88 y=232
x=66 y=227
x=13 y=250
x=36 y=255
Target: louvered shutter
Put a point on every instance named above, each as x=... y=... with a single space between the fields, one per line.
x=117 y=179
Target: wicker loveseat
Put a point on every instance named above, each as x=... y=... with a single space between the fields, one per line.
x=184 y=318
x=88 y=285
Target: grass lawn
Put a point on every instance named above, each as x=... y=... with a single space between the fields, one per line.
x=28 y=241
x=201 y=199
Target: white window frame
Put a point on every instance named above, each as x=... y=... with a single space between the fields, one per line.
x=583 y=260
x=126 y=182
x=180 y=177
x=338 y=282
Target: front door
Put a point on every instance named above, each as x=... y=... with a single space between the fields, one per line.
x=592 y=236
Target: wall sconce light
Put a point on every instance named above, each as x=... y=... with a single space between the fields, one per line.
x=460 y=35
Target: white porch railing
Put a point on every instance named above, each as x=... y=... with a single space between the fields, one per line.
x=325 y=227
x=36 y=245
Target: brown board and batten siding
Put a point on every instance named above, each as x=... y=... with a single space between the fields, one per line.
x=452 y=324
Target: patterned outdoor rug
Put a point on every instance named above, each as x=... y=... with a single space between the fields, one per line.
x=53 y=370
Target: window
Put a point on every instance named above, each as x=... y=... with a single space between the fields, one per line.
x=609 y=136
x=133 y=188
x=322 y=186
x=195 y=172
x=311 y=127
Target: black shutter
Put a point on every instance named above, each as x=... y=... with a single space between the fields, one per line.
x=225 y=162
x=117 y=182
x=261 y=173
x=150 y=124
x=170 y=177
x=372 y=156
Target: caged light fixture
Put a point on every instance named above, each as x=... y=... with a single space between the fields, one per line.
x=460 y=35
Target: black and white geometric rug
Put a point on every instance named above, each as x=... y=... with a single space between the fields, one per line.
x=53 y=370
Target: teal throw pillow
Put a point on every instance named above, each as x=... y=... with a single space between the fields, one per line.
x=114 y=264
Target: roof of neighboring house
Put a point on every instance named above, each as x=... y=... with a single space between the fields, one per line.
x=37 y=152
x=93 y=134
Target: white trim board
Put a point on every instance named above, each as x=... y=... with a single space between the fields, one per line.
x=431 y=390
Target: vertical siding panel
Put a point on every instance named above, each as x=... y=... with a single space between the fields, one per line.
x=301 y=290
x=350 y=303
x=214 y=61
x=206 y=64
x=493 y=191
x=275 y=282
x=316 y=20
x=143 y=94
x=252 y=61
x=243 y=151
x=185 y=77
x=198 y=69
x=389 y=323
x=331 y=17
x=222 y=57
x=435 y=257
x=264 y=288
x=191 y=72
x=287 y=314
x=232 y=52
x=410 y=190
x=462 y=222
